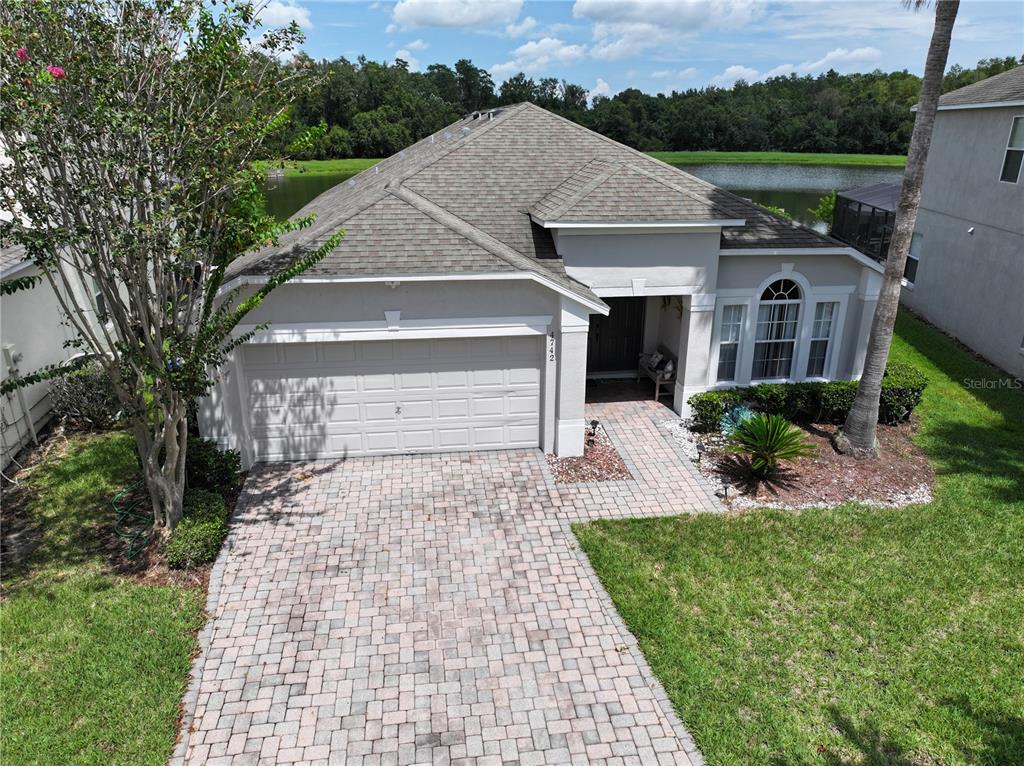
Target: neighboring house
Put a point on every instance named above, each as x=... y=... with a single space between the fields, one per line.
x=969 y=238
x=489 y=269
x=31 y=336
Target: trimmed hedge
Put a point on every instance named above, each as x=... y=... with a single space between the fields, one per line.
x=196 y=540
x=209 y=467
x=85 y=399
x=820 y=402
x=204 y=504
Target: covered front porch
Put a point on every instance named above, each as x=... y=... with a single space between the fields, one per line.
x=675 y=328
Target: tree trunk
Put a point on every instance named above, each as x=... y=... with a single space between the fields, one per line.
x=858 y=434
x=163 y=463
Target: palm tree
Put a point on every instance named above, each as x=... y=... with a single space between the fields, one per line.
x=857 y=436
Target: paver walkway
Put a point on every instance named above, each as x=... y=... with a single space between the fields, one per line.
x=433 y=609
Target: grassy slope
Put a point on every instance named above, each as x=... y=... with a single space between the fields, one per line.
x=782 y=158
x=313 y=167
x=93 y=666
x=853 y=635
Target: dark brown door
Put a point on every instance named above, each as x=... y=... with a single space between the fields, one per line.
x=615 y=341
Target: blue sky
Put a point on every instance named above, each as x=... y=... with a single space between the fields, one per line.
x=654 y=45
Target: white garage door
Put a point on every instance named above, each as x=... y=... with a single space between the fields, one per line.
x=328 y=400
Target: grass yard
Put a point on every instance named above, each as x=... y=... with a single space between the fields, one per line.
x=782 y=158
x=854 y=635
x=321 y=167
x=93 y=665
x=318 y=167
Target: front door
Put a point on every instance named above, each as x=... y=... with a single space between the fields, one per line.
x=615 y=341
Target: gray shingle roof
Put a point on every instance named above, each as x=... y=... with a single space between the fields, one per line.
x=1006 y=86
x=461 y=200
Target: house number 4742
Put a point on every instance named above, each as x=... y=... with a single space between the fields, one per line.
x=551 y=347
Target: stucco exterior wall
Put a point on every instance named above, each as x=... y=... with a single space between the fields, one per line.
x=972 y=284
x=667 y=264
x=32 y=336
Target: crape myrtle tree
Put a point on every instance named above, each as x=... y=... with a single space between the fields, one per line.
x=129 y=128
x=858 y=436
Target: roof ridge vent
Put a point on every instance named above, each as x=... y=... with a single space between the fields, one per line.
x=466 y=130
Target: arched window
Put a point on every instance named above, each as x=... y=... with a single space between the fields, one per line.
x=778 y=321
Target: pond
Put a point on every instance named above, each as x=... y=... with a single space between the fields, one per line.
x=797 y=188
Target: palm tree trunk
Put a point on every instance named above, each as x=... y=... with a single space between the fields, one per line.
x=857 y=436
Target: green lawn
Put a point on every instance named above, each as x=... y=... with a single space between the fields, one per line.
x=315 y=167
x=853 y=635
x=318 y=167
x=93 y=665
x=781 y=158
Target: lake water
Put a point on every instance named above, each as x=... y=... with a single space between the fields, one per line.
x=797 y=188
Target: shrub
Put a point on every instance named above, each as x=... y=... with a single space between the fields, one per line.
x=835 y=400
x=195 y=541
x=709 y=407
x=732 y=419
x=85 y=399
x=204 y=504
x=767 y=440
x=208 y=467
x=902 y=388
x=771 y=398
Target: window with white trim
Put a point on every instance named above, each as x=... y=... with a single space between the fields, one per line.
x=778 y=322
x=99 y=300
x=1014 y=157
x=821 y=333
x=729 y=341
x=913 y=257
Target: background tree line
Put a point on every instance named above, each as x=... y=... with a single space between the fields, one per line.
x=374 y=109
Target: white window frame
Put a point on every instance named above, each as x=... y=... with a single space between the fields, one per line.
x=1008 y=149
x=751 y=299
x=827 y=338
x=917 y=238
x=740 y=342
x=795 y=340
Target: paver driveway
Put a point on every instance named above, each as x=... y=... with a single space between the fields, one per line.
x=433 y=609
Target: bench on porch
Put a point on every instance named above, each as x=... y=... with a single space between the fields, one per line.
x=661 y=367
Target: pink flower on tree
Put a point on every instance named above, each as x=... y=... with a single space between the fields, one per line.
x=55 y=71
x=22 y=53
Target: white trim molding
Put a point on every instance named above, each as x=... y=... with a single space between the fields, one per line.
x=774 y=251
x=638 y=226
x=393 y=280
x=399 y=329
x=978 y=105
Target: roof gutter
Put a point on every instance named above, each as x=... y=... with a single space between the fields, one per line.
x=858 y=256
x=977 y=105
x=638 y=224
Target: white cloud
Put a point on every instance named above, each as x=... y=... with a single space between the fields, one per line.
x=841 y=56
x=625 y=28
x=734 y=73
x=524 y=27
x=539 y=55
x=408 y=58
x=601 y=88
x=675 y=74
x=280 y=14
x=390 y=29
x=418 y=45
x=474 y=14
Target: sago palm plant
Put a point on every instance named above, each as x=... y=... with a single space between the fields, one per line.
x=767 y=440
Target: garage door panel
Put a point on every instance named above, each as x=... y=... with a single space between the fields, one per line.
x=341 y=398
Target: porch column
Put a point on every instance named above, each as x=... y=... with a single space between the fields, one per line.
x=694 y=348
x=574 y=323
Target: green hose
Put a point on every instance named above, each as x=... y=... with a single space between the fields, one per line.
x=134 y=522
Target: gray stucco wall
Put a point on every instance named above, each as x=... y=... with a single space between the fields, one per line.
x=679 y=263
x=972 y=285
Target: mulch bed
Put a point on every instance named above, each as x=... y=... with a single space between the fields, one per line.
x=901 y=476
x=600 y=461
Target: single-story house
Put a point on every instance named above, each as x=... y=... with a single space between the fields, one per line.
x=492 y=267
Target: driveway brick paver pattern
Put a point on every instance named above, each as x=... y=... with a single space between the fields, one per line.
x=433 y=609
